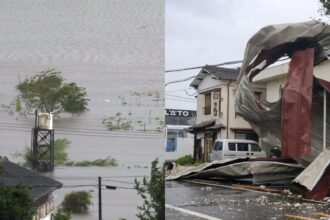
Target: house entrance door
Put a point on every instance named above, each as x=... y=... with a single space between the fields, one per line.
x=208 y=148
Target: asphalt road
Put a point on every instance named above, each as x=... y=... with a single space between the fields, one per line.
x=196 y=202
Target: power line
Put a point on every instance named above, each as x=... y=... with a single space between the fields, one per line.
x=180 y=80
x=181 y=97
x=180 y=100
x=79 y=185
x=76 y=129
x=90 y=134
x=79 y=177
x=199 y=67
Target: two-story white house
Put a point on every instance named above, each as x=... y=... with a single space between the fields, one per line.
x=216 y=118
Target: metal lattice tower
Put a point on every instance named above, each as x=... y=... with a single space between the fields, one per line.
x=43 y=143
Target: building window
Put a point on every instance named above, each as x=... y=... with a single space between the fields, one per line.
x=220 y=113
x=255 y=147
x=207 y=107
x=258 y=94
x=171 y=145
x=247 y=135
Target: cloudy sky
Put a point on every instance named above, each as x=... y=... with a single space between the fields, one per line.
x=199 y=32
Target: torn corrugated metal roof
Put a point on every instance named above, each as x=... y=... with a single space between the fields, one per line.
x=264 y=48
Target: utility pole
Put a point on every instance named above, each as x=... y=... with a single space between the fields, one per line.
x=100 y=198
x=324 y=119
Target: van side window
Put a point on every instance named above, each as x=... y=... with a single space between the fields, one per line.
x=218 y=146
x=255 y=147
x=232 y=146
x=242 y=147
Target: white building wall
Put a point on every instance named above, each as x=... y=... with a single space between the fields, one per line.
x=273 y=92
x=275 y=78
x=209 y=84
x=322 y=70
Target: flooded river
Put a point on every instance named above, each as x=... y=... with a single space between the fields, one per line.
x=115 y=50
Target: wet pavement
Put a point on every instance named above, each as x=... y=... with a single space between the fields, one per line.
x=224 y=203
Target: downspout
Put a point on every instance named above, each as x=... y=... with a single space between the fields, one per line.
x=227 y=129
x=324 y=119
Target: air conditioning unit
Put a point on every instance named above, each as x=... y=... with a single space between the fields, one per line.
x=216 y=95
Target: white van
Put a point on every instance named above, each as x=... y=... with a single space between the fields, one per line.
x=233 y=148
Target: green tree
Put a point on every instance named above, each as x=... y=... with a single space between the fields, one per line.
x=15 y=203
x=49 y=92
x=77 y=202
x=326 y=7
x=152 y=192
x=61 y=215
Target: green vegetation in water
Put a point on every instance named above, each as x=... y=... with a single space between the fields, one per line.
x=60 y=155
x=61 y=215
x=77 y=202
x=118 y=122
x=98 y=163
x=187 y=160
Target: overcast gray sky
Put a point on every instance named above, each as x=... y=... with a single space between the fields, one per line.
x=199 y=32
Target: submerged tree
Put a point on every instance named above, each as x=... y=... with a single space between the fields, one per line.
x=77 y=202
x=152 y=192
x=60 y=154
x=49 y=92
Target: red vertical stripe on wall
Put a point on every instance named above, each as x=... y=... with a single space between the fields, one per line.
x=296 y=105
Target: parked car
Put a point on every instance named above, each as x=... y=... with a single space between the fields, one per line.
x=234 y=148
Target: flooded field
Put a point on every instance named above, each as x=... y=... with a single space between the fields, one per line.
x=115 y=50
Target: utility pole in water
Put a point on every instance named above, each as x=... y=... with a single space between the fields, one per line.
x=100 y=198
x=100 y=195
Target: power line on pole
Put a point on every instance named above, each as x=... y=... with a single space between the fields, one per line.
x=100 y=197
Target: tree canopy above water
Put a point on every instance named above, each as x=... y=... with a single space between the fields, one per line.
x=49 y=92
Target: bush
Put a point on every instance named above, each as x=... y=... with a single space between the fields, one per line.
x=77 y=202
x=187 y=160
x=61 y=215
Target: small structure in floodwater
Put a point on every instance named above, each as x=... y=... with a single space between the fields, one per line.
x=43 y=142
